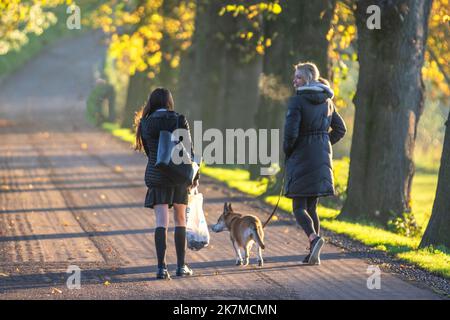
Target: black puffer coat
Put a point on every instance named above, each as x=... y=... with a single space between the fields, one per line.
x=307 y=141
x=151 y=126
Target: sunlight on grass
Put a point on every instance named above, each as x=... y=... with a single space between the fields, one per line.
x=422 y=194
x=372 y=236
x=124 y=134
x=237 y=179
x=433 y=260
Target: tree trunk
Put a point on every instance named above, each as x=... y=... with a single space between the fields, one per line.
x=137 y=94
x=299 y=34
x=215 y=84
x=388 y=102
x=438 y=229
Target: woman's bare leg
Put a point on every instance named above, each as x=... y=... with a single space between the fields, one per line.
x=179 y=214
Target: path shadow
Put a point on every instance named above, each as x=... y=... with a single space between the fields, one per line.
x=76 y=208
x=134 y=274
x=105 y=187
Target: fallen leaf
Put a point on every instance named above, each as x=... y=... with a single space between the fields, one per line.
x=274 y=218
x=118 y=169
x=102 y=196
x=84 y=146
x=4 y=275
x=107 y=283
x=56 y=290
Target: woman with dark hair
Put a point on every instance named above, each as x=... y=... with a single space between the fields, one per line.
x=307 y=145
x=163 y=194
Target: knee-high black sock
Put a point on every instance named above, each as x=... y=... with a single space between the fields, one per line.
x=160 y=244
x=180 y=244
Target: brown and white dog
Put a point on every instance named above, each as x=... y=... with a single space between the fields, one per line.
x=245 y=230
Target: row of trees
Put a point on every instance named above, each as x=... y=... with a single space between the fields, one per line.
x=230 y=65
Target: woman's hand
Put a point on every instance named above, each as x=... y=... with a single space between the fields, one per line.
x=194 y=185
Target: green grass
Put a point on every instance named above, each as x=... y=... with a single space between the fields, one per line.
x=124 y=134
x=237 y=179
x=422 y=193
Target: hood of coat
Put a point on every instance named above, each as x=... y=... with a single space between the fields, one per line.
x=316 y=92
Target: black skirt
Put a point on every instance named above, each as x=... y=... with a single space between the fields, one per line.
x=166 y=195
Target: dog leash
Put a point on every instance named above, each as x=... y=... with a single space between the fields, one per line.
x=278 y=201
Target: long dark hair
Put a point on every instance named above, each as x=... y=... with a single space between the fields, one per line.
x=158 y=99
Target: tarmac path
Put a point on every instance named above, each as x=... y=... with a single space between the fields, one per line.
x=71 y=194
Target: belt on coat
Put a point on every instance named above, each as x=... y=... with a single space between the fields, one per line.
x=312 y=133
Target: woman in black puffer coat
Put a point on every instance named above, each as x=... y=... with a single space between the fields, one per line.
x=163 y=194
x=307 y=146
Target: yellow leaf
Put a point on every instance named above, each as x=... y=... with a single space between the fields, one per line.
x=107 y=283
x=56 y=290
x=260 y=49
x=276 y=8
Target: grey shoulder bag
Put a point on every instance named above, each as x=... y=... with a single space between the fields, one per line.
x=179 y=173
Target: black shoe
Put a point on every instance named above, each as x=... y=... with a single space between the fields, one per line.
x=316 y=246
x=184 y=271
x=306 y=259
x=163 y=273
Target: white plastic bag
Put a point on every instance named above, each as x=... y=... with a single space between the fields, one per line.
x=197 y=234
